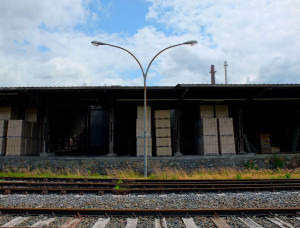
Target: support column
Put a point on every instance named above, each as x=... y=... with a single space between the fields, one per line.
x=111 y=131
x=45 y=134
x=241 y=131
x=178 y=153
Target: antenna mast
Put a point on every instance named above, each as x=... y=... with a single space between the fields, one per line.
x=225 y=66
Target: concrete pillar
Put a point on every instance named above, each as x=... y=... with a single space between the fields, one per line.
x=178 y=153
x=111 y=131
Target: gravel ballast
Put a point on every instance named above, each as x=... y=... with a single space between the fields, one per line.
x=168 y=201
x=174 y=201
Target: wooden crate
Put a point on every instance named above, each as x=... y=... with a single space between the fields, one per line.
x=163 y=133
x=222 y=111
x=206 y=111
x=163 y=142
x=208 y=145
x=140 y=142
x=227 y=144
x=162 y=123
x=208 y=126
x=140 y=146
x=140 y=151
x=18 y=128
x=140 y=128
x=162 y=114
x=140 y=112
x=163 y=151
x=265 y=143
x=225 y=126
x=16 y=146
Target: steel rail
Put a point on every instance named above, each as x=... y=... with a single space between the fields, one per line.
x=32 y=190
x=94 y=180
x=151 y=212
x=140 y=185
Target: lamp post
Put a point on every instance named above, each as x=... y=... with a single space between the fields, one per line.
x=98 y=43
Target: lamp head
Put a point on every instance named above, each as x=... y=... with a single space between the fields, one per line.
x=97 y=43
x=191 y=42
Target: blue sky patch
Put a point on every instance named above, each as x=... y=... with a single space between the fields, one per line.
x=43 y=48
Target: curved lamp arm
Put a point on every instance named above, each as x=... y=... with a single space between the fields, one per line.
x=97 y=43
x=192 y=42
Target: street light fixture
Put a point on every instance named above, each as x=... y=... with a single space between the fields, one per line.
x=98 y=43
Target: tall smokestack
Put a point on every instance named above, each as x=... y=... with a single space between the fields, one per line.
x=212 y=73
x=225 y=66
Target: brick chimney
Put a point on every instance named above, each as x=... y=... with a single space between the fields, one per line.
x=212 y=73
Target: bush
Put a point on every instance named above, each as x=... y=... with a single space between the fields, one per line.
x=238 y=176
x=278 y=163
x=250 y=165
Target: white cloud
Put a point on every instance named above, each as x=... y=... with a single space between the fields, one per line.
x=248 y=34
x=41 y=44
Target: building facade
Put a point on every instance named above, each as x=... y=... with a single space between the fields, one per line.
x=181 y=120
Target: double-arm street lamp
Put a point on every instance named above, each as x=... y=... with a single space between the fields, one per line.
x=98 y=43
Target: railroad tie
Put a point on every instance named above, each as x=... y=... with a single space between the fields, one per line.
x=220 y=223
x=131 y=223
x=250 y=223
x=15 y=222
x=71 y=223
x=160 y=223
x=43 y=223
x=280 y=223
x=101 y=223
x=189 y=223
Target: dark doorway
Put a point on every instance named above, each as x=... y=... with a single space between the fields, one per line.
x=99 y=131
x=67 y=128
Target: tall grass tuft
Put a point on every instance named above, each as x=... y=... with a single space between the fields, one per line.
x=159 y=173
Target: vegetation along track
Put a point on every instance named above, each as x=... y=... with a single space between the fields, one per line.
x=140 y=186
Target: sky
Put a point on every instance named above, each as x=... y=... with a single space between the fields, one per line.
x=48 y=43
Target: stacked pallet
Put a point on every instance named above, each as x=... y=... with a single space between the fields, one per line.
x=215 y=131
x=207 y=111
x=163 y=132
x=226 y=132
x=140 y=131
x=265 y=143
x=3 y=132
x=226 y=136
x=208 y=140
x=207 y=131
x=18 y=138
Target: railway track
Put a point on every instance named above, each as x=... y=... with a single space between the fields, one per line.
x=221 y=218
x=139 y=186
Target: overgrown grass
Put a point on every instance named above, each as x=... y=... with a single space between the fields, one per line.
x=47 y=173
x=226 y=173
x=166 y=173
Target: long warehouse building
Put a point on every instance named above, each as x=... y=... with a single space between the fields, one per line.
x=205 y=119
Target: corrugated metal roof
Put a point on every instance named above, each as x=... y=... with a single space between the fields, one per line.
x=148 y=87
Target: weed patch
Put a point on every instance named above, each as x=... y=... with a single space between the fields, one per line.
x=164 y=174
